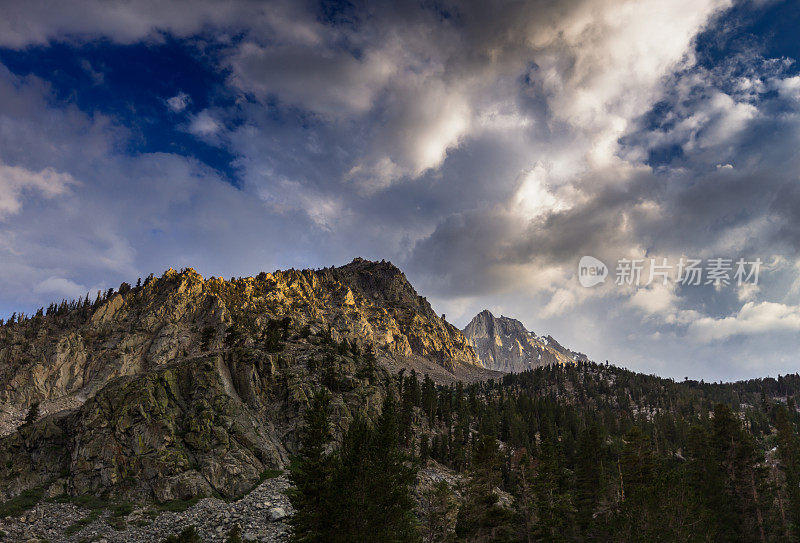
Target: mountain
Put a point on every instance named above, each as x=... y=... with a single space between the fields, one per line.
x=114 y=411
x=503 y=344
x=185 y=386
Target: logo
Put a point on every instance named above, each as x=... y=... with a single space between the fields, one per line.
x=591 y=271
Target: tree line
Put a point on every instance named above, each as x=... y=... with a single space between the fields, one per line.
x=579 y=453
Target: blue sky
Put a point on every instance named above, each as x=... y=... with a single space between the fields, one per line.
x=482 y=147
x=131 y=84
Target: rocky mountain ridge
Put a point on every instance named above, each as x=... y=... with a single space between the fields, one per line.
x=184 y=386
x=504 y=344
x=68 y=358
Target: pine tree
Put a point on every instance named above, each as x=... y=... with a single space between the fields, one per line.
x=738 y=458
x=789 y=455
x=525 y=498
x=410 y=394
x=636 y=471
x=394 y=503
x=353 y=484
x=367 y=368
x=553 y=498
x=589 y=471
x=424 y=450
x=438 y=513
x=725 y=470
x=32 y=415
x=429 y=398
x=311 y=473
x=481 y=517
x=374 y=480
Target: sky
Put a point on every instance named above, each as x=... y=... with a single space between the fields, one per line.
x=482 y=147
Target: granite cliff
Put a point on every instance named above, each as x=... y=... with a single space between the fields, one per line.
x=504 y=344
x=184 y=386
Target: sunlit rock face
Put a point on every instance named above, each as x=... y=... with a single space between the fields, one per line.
x=185 y=386
x=182 y=315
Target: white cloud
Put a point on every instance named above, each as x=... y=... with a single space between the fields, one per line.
x=179 y=102
x=60 y=286
x=747 y=292
x=424 y=120
x=423 y=86
x=286 y=196
x=15 y=182
x=789 y=87
x=656 y=299
x=39 y=22
x=602 y=65
x=204 y=125
x=534 y=197
x=752 y=318
x=717 y=120
x=562 y=301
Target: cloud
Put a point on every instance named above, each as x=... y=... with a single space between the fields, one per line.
x=422 y=85
x=325 y=81
x=656 y=299
x=484 y=151
x=39 y=22
x=752 y=318
x=129 y=215
x=288 y=196
x=535 y=198
x=60 y=286
x=97 y=77
x=15 y=182
x=204 y=125
x=178 y=103
x=424 y=119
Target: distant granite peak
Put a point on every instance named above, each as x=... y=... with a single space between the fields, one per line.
x=504 y=344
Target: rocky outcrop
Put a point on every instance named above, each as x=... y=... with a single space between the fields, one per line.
x=187 y=387
x=182 y=315
x=503 y=344
x=170 y=434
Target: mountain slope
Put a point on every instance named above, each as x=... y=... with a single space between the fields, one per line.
x=185 y=387
x=212 y=408
x=503 y=344
x=69 y=355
